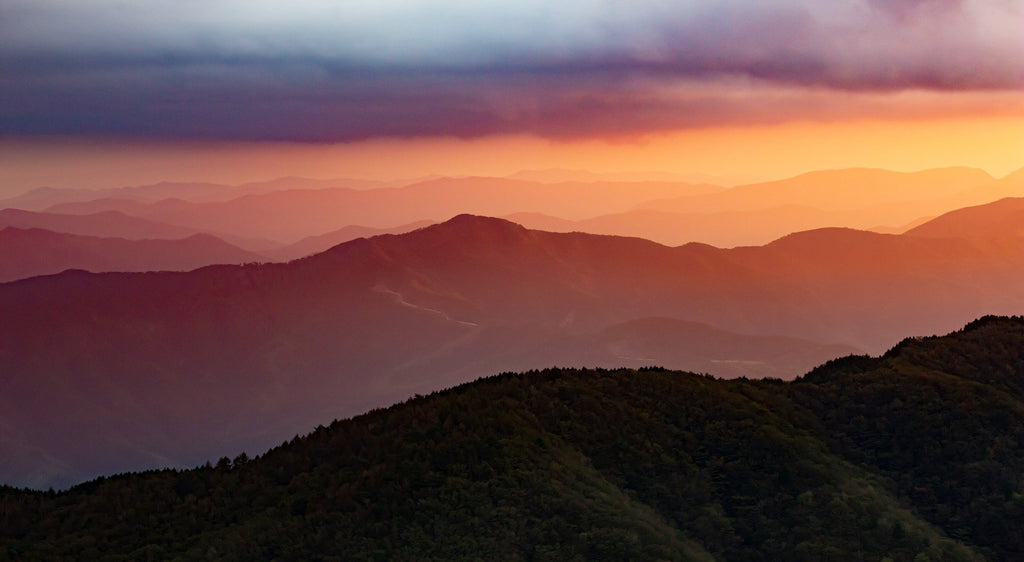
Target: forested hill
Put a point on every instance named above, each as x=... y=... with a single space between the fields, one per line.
x=915 y=455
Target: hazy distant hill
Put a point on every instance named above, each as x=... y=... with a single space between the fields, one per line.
x=855 y=188
x=316 y=244
x=558 y=175
x=721 y=229
x=288 y=216
x=115 y=224
x=45 y=197
x=272 y=348
x=1011 y=185
x=31 y=252
x=107 y=224
x=908 y=457
x=756 y=214
x=288 y=210
x=1003 y=218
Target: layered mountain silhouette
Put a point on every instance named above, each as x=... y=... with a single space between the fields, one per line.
x=1001 y=219
x=559 y=175
x=290 y=215
x=316 y=244
x=32 y=252
x=115 y=224
x=910 y=456
x=288 y=210
x=1011 y=185
x=755 y=214
x=725 y=229
x=44 y=197
x=855 y=188
x=106 y=224
x=236 y=357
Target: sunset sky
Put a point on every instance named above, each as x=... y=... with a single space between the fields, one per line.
x=112 y=92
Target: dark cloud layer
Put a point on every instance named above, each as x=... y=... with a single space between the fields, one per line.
x=320 y=74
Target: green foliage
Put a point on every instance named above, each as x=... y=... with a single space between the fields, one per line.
x=913 y=456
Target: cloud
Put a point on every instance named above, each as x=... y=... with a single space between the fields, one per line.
x=326 y=71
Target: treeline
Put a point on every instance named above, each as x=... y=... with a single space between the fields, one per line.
x=914 y=456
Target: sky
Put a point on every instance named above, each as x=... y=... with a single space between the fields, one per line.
x=105 y=91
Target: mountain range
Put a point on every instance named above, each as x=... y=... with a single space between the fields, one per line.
x=44 y=197
x=266 y=217
x=725 y=229
x=115 y=224
x=833 y=190
x=238 y=357
x=755 y=214
x=289 y=215
x=32 y=252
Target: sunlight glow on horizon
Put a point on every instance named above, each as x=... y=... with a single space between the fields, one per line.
x=736 y=154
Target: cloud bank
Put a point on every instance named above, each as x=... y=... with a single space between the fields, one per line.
x=317 y=70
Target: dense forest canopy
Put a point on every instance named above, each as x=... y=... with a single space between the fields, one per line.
x=915 y=455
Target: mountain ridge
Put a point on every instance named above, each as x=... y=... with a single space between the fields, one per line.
x=325 y=210
x=428 y=309
x=116 y=224
x=1002 y=218
x=34 y=251
x=858 y=198
x=846 y=189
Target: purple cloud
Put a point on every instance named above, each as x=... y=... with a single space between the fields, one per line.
x=317 y=72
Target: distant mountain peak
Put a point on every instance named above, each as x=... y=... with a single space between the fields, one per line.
x=470 y=219
x=827 y=234
x=466 y=227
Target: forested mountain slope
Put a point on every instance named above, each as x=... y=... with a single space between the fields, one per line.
x=915 y=455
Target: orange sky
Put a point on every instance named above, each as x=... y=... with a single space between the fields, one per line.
x=992 y=142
